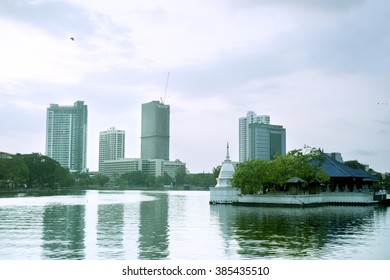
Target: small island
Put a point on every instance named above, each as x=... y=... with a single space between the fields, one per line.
x=304 y=177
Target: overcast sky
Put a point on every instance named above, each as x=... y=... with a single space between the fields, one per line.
x=320 y=68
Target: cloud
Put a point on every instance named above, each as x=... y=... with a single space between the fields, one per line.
x=58 y=18
x=316 y=67
x=30 y=54
x=303 y=4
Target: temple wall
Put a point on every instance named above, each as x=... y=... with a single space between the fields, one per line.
x=224 y=195
x=308 y=199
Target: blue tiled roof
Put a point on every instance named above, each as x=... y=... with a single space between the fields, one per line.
x=335 y=168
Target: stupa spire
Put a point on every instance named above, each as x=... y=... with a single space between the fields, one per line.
x=227 y=152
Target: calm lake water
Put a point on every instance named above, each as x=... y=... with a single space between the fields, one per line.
x=182 y=225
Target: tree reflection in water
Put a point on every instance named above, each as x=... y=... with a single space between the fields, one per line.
x=292 y=233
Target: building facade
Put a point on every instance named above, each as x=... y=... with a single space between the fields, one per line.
x=260 y=139
x=158 y=167
x=244 y=138
x=266 y=141
x=113 y=169
x=111 y=145
x=66 y=135
x=152 y=167
x=155 y=131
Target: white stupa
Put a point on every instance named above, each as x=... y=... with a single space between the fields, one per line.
x=223 y=192
x=226 y=173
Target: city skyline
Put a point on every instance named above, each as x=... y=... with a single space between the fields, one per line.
x=320 y=68
x=154 y=158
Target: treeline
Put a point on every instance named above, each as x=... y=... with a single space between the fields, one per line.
x=181 y=179
x=32 y=171
x=38 y=171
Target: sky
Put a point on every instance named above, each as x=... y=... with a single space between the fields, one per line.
x=320 y=68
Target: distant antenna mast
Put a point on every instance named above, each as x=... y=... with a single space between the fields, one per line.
x=166 y=87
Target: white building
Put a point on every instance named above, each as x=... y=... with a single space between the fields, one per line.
x=115 y=168
x=66 y=135
x=153 y=167
x=244 y=136
x=258 y=139
x=223 y=192
x=158 y=167
x=111 y=146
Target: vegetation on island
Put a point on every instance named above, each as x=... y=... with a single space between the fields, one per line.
x=261 y=176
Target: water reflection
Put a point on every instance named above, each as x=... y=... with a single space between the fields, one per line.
x=63 y=232
x=153 y=228
x=290 y=232
x=182 y=225
x=110 y=231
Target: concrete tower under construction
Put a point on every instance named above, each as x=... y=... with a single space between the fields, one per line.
x=155 y=131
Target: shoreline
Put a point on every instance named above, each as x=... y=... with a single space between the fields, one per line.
x=230 y=196
x=36 y=192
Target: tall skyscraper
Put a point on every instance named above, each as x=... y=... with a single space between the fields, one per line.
x=266 y=141
x=66 y=135
x=244 y=138
x=155 y=131
x=111 y=145
x=260 y=139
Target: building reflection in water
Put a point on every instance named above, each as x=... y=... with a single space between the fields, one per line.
x=153 y=229
x=63 y=232
x=288 y=232
x=128 y=226
x=110 y=231
x=170 y=225
x=111 y=226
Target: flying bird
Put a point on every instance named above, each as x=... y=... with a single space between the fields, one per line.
x=72 y=38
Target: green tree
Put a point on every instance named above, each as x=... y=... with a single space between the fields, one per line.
x=164 y=180
x=202 y=180
x=355 y=164
x=180 y=175
x=251 y=176
x=101 y=179
x=44 y=171
x=83 y=179
x=13 y=170
x=385 y=182
x=150 y=181
x=259 y=175
x=134 y=178
x=216 y=171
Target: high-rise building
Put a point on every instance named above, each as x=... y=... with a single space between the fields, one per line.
x=266 y=141
x=155 y=131
x=260 y=139
x=244 y=123
x=111 y=145
x=66 y=135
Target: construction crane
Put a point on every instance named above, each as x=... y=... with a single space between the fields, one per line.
x=166 y=87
